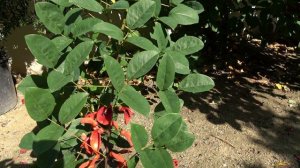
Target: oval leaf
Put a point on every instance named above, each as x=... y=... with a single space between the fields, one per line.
x=51 y=16
x=188 y=45
x=64 y=3
x=142 y=42
x=135 y=100
x=181 y=62
x=166 y=73
x=84 y=26
x=27 y=141
x=77 y=56
x=139 y=13
x=181 y=141
x=141 y=63
x=139 y=136
x=91 y=5
x=109 y=30
x=39 y=103
x=196 y=83
x=57 y=80
x=71 y=107
x=159 y=36
x=184 y=15
x=165 y=128
x=115 y=72
x=43 y=49
x=170 y=101
x=61 y=42
x=47 y=138
x=32 y=81
x=156 y=158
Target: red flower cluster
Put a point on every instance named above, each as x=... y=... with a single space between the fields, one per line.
x=92 y=143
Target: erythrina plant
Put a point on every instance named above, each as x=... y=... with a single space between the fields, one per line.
x=95 y=67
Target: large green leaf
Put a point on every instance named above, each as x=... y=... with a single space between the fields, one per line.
x=61 y=42
x=71 y=19
x=195 y=5
x=139 y=136
x=77 y=56
x=71 y=107
x=181 y=62
x=47 y=138
x=181 y=141
x=122 y=4
x=188 y=45
x=142 y=42
x=196 y=83
x=39 y=103
x=166 y=73
x=139 y=13
x=165 y=128
x=32 y=81
x=27 y=141
x=133 y=161
x=84 y=26
x=171 y=22
x=51 y=16
x=56 y=80
x=64 y=3
x=170 y=101
x=109 y=30
x=135 y=100
x=115 y=72
x=141 y=63
x=91 y=5
x=159 y=36
x=184 y=15
x=157 y=7
x=154 y=158
x=43 y=49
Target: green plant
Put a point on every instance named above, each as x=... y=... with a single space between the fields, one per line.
x=94 y=75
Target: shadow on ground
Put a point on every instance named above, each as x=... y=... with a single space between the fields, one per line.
x=240 y=102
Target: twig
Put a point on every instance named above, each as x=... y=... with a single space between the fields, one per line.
x=222 y=140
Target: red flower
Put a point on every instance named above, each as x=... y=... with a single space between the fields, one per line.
x=95 y=141
x=89 y=119
x=127 y=135
x=175 y=163
x=85 y=144
x=90 y=163
x=119 y=158
x=128 y=113
x=104 y=115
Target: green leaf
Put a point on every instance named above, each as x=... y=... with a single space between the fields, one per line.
x=166 y=73
x=176 y=2
x=196 y=83
x=77 y=56
x=71 y=18
x=135 y=100
x=133 y=161
x=32 y=81
x=57 y=80
x=195 y=5
x=115 y=72
x=69 y=159
x=48 y=158
x=39 y=103
x=181 y=62
x=181 y=141
x=156 y=158
x=64 y=3
x=142 y=42
x=71 y=107
x=122 y=4
x=84 y=26
x=109 y=30
x=47 y=138
x=170 y=101
x=43 y=49
x=188 y=45
x=27 y=141
x=61 y=42
x=157 y=7
x=68 y=139
x=139 y=136
x=139 y=13
x=141 y=63
x=165 y=128
x=171 y=22
x=184 y=15
x=159 y=36
x=91 y=5
x=51 y=16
